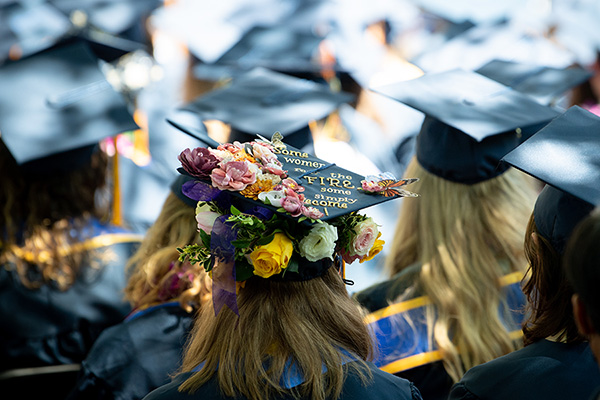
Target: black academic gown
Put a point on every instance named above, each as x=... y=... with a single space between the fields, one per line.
x=404 y=348
x=384 y=386
x=136 y=356
x=543 y=370
x=46 y=326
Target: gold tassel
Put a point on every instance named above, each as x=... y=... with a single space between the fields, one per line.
x=116 y=211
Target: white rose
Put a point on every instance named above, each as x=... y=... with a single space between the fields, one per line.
x=273 y=197
x=319 y=243
x=205 y=217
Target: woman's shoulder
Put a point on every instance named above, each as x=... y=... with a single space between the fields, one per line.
x=560 y=371
x=381 y=294
x=382 y=386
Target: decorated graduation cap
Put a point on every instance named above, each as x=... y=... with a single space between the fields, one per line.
x=55 y=106
x=269 y=210
x=262 y=102
x=543 y=83
x=471 y=122
x=566 y=156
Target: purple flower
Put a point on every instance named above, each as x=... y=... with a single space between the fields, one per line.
x=198 y=162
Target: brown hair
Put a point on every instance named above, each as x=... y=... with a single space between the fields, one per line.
x=157 y=275
x=43 y=216
x=465 y=237
x=309 y=323
x=581 y=264
x=548 y=293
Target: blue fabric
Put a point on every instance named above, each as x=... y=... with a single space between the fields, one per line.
x=406 y=334
x=543 y=370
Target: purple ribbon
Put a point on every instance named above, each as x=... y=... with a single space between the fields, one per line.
x=199 y=191
x=223 y=272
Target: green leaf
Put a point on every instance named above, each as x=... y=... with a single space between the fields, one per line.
x=205 y=239
x=243 y=271
x=235 y=211
x=241 y=243
x=293 y=265
x=265 y=240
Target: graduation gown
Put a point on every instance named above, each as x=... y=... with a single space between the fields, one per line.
x=543 y=370
x=136 y=356
x=405 y=348
x=384 y=386
x=46 y=326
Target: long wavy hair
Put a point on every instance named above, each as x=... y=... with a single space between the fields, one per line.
x=43 y=217
x=466 y=237
x=549 y=310
x=156 y=274
x=309 y=323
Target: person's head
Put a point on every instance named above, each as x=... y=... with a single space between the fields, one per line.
x=40 y=213
x=467 y=232
x=466 y=237
x=56 y=106
x=546 y=287
x=581 y=264
x=275 y=243
x=306 y=322
x=564 y=155
x=157 y=275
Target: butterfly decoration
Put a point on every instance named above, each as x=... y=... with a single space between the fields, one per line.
x=387 y=185
x=276 y=140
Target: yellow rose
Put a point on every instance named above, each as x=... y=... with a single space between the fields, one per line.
x=271 y=258
x=377 y=247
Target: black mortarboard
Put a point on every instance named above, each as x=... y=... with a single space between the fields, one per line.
x=565 y=155
x=26 y=28
x=471 y=122
x=543 y=83
x=278 y=48
x=262 y=102
x=55 y=102
x=112 y=16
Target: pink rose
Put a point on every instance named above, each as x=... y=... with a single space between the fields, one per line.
x=289 y=183
x=312 y=212
x=264 y=154
x=205 y=217
x=293 y=205
x=366 y=234
x=230 y=147
x=233 y=175
x=348 y=259
x=275 y=169
x=371 y=186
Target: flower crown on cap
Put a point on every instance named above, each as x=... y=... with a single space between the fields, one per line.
x=254 y=219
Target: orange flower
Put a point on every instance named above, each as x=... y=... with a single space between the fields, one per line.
x=261 y=185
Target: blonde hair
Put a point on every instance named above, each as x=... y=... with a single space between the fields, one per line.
x=309 y=323
x=466 y=237
x=156 y=274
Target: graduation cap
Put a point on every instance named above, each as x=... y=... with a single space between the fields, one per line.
x=566 y=156
x=471 y=122
x=541 y=82
x=55 y=106
x=332 y=190
x=116 y=17
x=26 y=28
x=278 y=48
x=262 y=102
